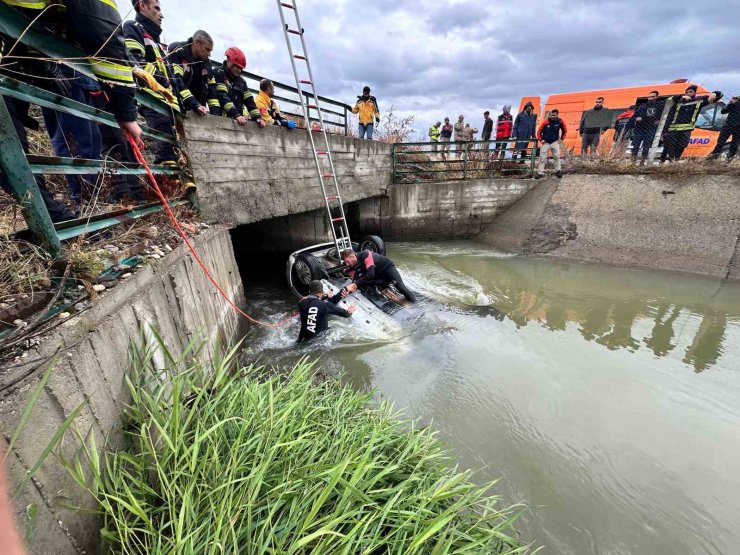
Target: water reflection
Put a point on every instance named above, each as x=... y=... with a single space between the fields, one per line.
x=616 y=308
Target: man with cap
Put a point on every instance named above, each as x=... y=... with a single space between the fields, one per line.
x=681 y=121
x=316 y=308
x=366 y=108
x=487 y=129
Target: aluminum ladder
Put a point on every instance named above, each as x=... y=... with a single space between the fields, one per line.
x=322 y=155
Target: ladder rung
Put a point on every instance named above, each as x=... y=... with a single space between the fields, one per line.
x=332 y=198
x=328 y=175
x=299 y=57
x=295 y=32
x=321 y=152
x=306 y=82
x=310 y=106
x=291 y=6
x=337 y=219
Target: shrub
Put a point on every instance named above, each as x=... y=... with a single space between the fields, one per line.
x=254 y=462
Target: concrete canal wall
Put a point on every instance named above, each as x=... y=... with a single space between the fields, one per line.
x=689 y=224
x=173 y=296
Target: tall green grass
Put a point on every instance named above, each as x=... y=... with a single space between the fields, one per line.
x=240 y=461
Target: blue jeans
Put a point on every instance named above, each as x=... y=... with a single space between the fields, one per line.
x=642 y=137
x=74 y=137
x=366 y=129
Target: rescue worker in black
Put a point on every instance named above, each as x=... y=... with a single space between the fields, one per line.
x=94 y=25
x=731 y=128
x=681 y=120
x=153 y=70
x=369 y=269
x=235 y=100
x=316 y=308
x=194 y=74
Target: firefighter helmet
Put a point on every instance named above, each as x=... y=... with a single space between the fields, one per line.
x=236 y=57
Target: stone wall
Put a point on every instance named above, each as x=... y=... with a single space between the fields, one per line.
x=172 y=295
x=246 y=174
x=689 y=224
x=429 y=211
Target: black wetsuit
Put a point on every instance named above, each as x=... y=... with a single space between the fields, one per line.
x=375 y=269
x=314 y=312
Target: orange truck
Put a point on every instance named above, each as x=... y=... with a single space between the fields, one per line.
x=572 y=105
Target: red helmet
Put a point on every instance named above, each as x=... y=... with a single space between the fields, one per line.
x=236 y=57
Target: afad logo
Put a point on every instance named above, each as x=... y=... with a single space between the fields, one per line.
x=699 y=141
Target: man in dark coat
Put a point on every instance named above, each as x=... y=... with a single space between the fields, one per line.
x=525 y=126
x=645 y=123
x=590 y=133
x=487 y=129
x=316 y=308
x=730 y=128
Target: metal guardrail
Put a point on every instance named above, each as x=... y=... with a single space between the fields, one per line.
x=468 y=160
x=21 y=168
x=342 y=116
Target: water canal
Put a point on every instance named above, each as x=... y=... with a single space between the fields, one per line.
x=605 y=398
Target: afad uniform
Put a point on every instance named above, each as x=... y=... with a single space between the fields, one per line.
x=233 y=96
x=96 y=26
x=367 y=109
x=314 y=315
x=193 y=78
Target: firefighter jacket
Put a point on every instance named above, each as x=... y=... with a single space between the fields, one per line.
x=142 y=38
x=684 y=113
x=367 y=109
x=95 y=26
x=193 y=78
x=269 y=109
x=233 y=96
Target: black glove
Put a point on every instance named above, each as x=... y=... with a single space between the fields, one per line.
x=377 y=120
x=718 y=95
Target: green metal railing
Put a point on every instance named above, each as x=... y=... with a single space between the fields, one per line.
x=431 y=161
x=20 y=168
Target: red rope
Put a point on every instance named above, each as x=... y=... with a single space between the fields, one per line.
x=176 y=224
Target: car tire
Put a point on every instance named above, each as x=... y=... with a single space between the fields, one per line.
x=372 y=243
x=306 y=269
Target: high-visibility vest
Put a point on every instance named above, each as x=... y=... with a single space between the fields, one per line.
x=434 y=133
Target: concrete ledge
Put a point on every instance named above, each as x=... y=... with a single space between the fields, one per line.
x=688 y=224
x=172 y=295
x=246 y=174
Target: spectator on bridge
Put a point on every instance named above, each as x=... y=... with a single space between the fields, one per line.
x=235 y=100
x=154 y=71
x=367 y=109
x=681 y=120
x=445 y=136
x=622 y=131
x=487 y=129
x=645 y=123
x=730 y=128
x=269 y=109
x=590 y=133
x=459 y=129
x=193 y=73
x=434 y=133
x=504 y=126
x=469 y=137
x=551 y=132
x=524 y=128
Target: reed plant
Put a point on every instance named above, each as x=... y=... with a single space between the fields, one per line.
x=222 y=459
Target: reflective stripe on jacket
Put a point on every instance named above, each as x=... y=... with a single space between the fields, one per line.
x=233 y=96
x=95 y=25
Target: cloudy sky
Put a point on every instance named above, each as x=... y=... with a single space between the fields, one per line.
x=436 y=58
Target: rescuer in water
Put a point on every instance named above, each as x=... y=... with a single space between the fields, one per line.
x=316 y=308
x=370 y=268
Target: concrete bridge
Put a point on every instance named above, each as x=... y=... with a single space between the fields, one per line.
x=266 y=179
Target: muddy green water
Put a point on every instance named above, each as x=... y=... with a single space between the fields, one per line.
x=606 y=399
